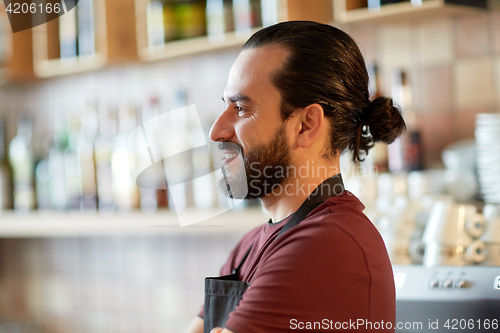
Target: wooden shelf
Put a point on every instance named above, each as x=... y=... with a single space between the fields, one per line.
x=182 y=47
x=74 y=224
x=400 y=11
x=320 y=11
x=193 y=46
x=115 y=42
x=57 y=67
x=18 y=65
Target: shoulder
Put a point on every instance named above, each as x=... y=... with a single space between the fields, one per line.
x=252 y=234
x=338 y=233
x=340 y=218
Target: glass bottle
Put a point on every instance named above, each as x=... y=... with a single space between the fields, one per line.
x=102 y=155
x=86 y=31
x=22 y=163
x=68 y=35
x=215 y=20
x=71 y=162
x=56 y=164
x=377 y=156
x=155 y=24
x=169 y=29
x=5 y=172
x=405 y=154
x=124 y=188
x=86 y=162
x=256 y=7
x=190 y=18
x=269 y=12
x=242 y=12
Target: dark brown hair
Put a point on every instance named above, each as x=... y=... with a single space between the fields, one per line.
x=326 y=67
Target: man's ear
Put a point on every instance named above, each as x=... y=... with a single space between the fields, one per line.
x=311 y=120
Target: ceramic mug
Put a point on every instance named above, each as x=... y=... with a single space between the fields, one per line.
x=462 y=185
x=453 y=224
x=416 y=251
x=491 y=233
x=401 y=218
x=438 y=254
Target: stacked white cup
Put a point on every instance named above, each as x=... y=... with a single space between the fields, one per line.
x=395 y=216
x=451 y=235
x=460 y=179
x=487 y=142
x=491 y=235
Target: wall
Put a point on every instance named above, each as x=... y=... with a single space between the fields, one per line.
x=147 y=284
x=453 y=65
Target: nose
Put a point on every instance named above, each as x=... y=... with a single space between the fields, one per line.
x=223 y=127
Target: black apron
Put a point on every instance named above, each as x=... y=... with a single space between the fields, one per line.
x=222 y=294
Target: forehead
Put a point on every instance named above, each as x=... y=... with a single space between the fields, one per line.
x=252 y=70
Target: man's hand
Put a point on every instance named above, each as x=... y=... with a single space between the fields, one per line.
x=197 y=327
x=220 y=330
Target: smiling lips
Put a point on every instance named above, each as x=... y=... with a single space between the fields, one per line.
x=229 y=156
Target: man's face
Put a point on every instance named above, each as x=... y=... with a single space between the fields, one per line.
x=251 y=121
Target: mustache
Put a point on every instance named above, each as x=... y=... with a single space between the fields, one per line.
x=230 y=146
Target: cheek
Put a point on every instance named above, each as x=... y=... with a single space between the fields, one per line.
x=247 y=133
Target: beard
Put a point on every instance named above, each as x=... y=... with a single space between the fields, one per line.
x=265 y=169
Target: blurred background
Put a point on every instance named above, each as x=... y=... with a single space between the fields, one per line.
x=84 y=249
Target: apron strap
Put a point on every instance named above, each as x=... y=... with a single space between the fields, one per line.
x=237 y=269
x=330 y=187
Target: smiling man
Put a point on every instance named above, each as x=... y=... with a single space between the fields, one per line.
x=297 y=97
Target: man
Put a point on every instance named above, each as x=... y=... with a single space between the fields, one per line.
x=296 y=98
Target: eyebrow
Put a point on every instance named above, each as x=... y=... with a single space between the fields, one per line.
x=238 y=98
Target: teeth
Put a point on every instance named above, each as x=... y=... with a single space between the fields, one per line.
x=231 y=155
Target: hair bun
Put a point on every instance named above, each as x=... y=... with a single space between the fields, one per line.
x=385 y=120
x=384 y=124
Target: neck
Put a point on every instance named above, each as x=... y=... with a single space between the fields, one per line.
x=302 y=180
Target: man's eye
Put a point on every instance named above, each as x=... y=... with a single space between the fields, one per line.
x=241 y=111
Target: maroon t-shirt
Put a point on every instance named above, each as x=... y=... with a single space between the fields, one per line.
x=330 y=272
